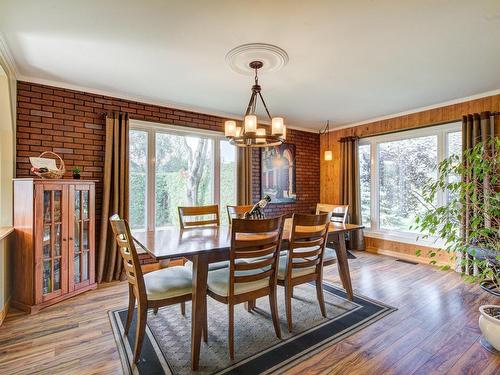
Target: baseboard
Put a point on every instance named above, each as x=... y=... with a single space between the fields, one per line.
x=403 y=256
x=4 y=311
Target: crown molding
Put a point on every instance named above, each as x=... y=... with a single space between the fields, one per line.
x=419 y=109
x=146 y=100
x=7 y=60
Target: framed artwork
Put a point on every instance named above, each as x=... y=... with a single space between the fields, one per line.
x=277 y=168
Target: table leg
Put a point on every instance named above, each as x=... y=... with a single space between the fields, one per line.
x=198 y=314
x=342 y=265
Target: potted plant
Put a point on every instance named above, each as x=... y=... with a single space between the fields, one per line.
x=469 y=222
x=76 y=173
x=489 y=323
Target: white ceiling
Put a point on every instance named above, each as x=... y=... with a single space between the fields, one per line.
x=349 y=60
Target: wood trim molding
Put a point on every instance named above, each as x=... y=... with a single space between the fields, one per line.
x=4 y=311
x=406 y=251
x=5 y=231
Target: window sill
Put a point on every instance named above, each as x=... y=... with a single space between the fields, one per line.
x=407 y=238
x=5 y=231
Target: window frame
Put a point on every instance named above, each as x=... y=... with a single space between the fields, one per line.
x=153 y=128
x=441 y=131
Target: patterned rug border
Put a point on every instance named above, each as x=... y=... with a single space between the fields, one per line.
x=125 y=354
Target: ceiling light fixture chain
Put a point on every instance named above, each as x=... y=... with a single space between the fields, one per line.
x=326 y=131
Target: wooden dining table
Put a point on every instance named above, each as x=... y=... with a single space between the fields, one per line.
x=205 y=245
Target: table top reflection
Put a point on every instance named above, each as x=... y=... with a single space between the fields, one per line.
x=174 y=242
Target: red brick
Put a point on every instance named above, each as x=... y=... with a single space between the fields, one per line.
x=78 y=135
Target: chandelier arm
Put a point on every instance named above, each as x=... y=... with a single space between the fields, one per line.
x=265 y=106
x=251 y=104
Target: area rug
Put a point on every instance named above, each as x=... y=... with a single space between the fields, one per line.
x=167 y=345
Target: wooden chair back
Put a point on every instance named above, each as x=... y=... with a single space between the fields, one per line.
x=307 y=241
x=339 y=211
x=258 y=242
x=129 y=255
x=187 y=213
x=237 y=212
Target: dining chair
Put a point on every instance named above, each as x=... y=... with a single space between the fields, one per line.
x=253 y=260
x=304 y=261
x=186 y=214
x=164 y=287
x=339 y=211
x=339 y=215
x=237 y=212
x=196 y=211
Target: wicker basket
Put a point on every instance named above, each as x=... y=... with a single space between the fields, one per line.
x=52 y=174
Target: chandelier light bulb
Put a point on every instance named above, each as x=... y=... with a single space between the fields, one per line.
x=261 y=132
x=328 y=155
x=277 y=125
x=250 y=124
x=230 y=128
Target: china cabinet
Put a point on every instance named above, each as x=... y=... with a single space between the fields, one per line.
x=54 y=258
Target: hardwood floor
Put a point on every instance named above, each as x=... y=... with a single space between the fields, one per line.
x=435 y=329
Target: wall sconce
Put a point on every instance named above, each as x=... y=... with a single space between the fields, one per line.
x=328 y=152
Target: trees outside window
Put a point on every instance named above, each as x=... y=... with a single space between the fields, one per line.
x=404 y=167
x=138 y=177
x=178 y=168
x=365 y=183
x=394 y=169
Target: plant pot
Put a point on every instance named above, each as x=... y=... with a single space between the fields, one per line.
x=490 y=287
x=76 y=176
x=490 y=326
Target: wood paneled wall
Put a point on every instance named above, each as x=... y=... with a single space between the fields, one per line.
x=329 y=170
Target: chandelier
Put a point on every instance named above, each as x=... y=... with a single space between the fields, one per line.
x=249 y=135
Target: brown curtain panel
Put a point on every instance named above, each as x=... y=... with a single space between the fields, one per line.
x=115 y=194
x=349 y=187
x=244 y=176
x=476 y=128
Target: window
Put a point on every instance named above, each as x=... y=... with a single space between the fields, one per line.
x=138 y=177
x=227 y=177
x=171 y=167
x=365 y=182
x=393 y=170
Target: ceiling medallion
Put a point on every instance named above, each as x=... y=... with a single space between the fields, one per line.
x=249 y=135
x=272 y=57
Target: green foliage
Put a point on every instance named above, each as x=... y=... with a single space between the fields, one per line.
x=76 y=170
x=479 y=190
x=176 y=156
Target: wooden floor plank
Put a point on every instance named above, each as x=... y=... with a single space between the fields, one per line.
x=434 y=331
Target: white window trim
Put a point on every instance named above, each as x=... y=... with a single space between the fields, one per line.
x=374 y=230
x=152 y=128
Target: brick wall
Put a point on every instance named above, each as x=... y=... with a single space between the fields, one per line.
x=70 y=123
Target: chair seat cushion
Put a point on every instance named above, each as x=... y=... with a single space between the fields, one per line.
x=211 y=266
x=218 y=282
x=330 y=254
x=168 y=283
x=296 y=271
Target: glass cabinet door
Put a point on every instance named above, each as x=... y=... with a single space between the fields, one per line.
x=80 y=226
x=52 y=238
